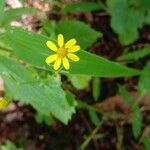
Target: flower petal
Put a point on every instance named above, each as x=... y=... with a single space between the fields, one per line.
x=57 y=63
x=51 y=46
x=70 y=43
x=74 y=49
x=73 y=57
x=66 y=63
x=51 y=59
x=60 y=40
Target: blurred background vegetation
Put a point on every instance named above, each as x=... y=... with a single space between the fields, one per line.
x=106 y=107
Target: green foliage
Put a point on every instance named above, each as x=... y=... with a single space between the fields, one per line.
x=85 y=35
x=136 y=113
x=94 y=118
x=146 y=143
x=79 y=82
x=40 y=118
x=83 y=7
x=127 y=16
x=126 y=95
x=32 y=49
x=9 y=146
x=2 y=4
x=45 y=95
x=135 y=55
x=96 y=87
x=144 y=81
x=14 y=14
x=136 y=122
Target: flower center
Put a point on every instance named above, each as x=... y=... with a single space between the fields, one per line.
x=62 y=52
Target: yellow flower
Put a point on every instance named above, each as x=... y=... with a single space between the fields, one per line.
x=3 y=103
x=63 y=52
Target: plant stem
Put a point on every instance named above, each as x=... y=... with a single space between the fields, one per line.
x=90 y=137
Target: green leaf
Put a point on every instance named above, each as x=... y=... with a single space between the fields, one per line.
x=100 y=67
x=48 y=28
x=147 y=18
x=144 y=81
x=40 y=118
x=13 y=14
x=94 y=118
x=79 y=82
x=96 y=88
x=83 y=7
x=31 y=48
x=84 y=35
x=8 y=145
x=122 y=16
x=146 y=143
x=136 y=122
x=136 y=114
x=126 y=95
x=135 y=55
x=45 y=95
x=2 y=5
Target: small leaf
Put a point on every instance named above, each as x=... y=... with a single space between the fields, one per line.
x=83 y=7
x=146 y=143
x=94 y=118
x=96 y=88
x=136 y=122
x=126 y=95
x=40 y=118
x=79 y=82
x=135 y=55
x=144 y=81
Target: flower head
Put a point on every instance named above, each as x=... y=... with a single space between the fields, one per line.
x=63 y=52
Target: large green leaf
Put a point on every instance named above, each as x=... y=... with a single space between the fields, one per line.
x=31 y=48
x=84 y=35
x=45 y=95
x=83 y=7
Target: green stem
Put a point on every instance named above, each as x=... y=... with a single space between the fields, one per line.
x=90 y=137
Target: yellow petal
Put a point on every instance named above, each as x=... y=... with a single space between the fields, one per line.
x=70 y=43
x=73 y=57
x=60 y=40
x=51 y=59
x=74 y=49
x=66 y=63
x=57 y=63
x=51 y=46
